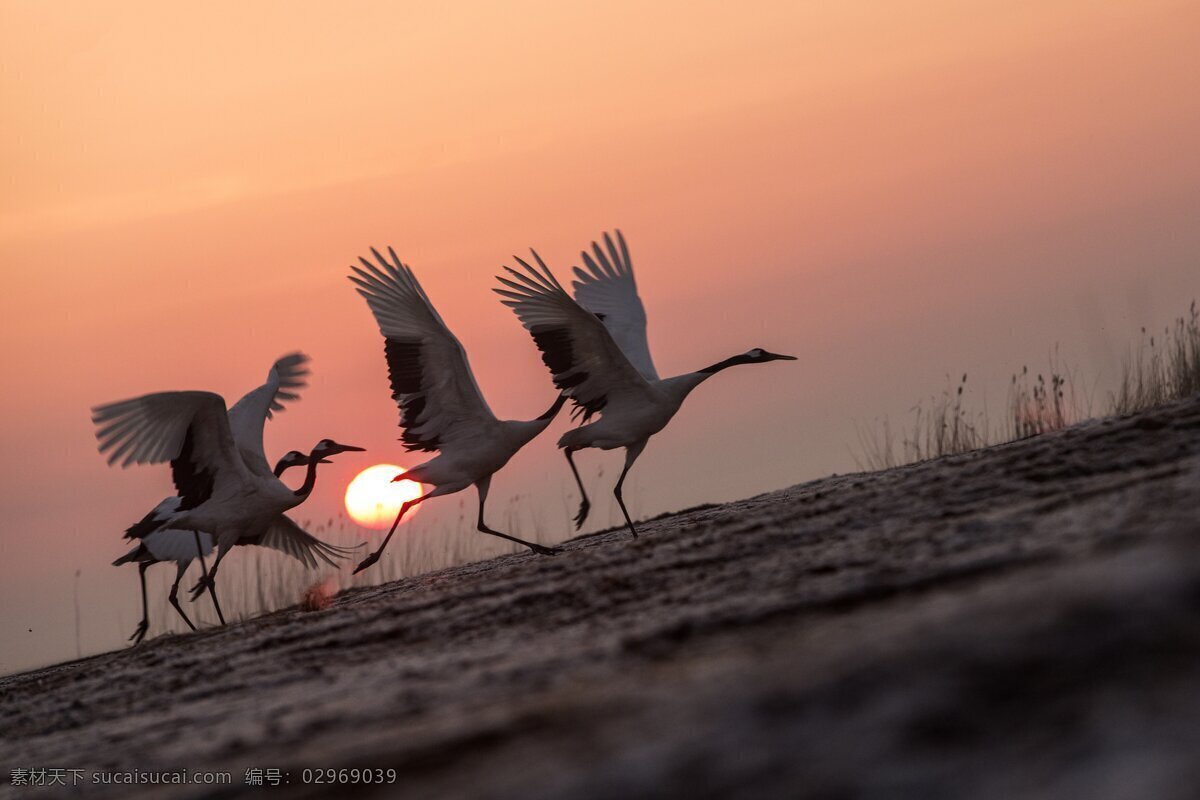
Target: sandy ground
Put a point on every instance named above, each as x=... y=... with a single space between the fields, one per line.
x=1018 y=622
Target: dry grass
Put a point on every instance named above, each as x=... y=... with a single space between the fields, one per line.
x=1161 y=370
x=254 y=580
x=944 y=425
x=1038 y=405
x=940 y=426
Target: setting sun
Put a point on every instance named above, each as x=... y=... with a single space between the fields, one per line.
x=373 y=500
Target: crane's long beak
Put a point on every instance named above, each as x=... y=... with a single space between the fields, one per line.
x=778 y=357
x=349 y=448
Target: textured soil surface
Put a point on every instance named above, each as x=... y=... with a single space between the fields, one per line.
x=1022 y=621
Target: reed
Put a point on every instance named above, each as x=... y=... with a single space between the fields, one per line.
x=1162 y=369
x=255 y=580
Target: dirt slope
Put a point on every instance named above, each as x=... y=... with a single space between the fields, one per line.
x=1018 y=622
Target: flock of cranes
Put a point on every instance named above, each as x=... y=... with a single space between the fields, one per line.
x=594 y=346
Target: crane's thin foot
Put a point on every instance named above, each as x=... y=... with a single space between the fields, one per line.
x=203 y=585
x=581 y=517
x=544 y=551
x=174 y=598
x=140 y=633
x=212 y=591
x=366 y=562
x=628 y=519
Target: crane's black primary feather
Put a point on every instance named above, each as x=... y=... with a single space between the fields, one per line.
x=404 y=366
x=193 y=483
x=559 y=356
x=406 y=373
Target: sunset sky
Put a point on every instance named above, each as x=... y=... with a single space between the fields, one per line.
x=891 y=192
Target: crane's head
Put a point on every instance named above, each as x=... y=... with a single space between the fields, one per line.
x=755 y=356
x=759 y=356
x=328 y=447
x=293 y=458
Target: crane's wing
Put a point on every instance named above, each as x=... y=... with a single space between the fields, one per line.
x=250 y=414
x=607 y=289
x=287 y=537
x=587 y=364
x=189 y=429
x=439 y=400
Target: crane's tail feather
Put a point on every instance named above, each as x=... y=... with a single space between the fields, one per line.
x=132 y=555
x=332 y=553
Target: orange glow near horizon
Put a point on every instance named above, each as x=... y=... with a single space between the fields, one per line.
x=373 y=500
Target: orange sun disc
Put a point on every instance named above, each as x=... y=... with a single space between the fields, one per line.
x=373 y=500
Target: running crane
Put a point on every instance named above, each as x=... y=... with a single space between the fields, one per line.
x=596 y=350
x=226 y=487
x=441 y=408
x=163 y=544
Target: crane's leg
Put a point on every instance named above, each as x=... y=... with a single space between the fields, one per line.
x=211 y=580
x=371 y=559
x=631 y=454
x=174 y=595
x=584 y=504
x=208 y=577
x=144 y=625
x=482 y=487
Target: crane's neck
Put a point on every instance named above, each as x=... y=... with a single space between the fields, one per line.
x=732 y=361
x=310 y=478
x=681 y=386
x=553 y=410
x=527 y=430
x=281 y=468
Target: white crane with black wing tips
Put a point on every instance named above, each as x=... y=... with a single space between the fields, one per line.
x=441 y=407
x=163 y=544
x=596 y=350
x=247 y=419
x=226 y=487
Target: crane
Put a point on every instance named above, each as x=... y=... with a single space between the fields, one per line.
x=441 y=407
x=248 y=417
x=163 y=544
x=226 y=487
x=596 y=349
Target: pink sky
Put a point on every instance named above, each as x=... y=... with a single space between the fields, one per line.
x=890 y=192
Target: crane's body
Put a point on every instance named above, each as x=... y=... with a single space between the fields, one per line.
x=630 y=425
x=596 y=349
x=242 y=509
x=485 y=453
x=441 y=407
